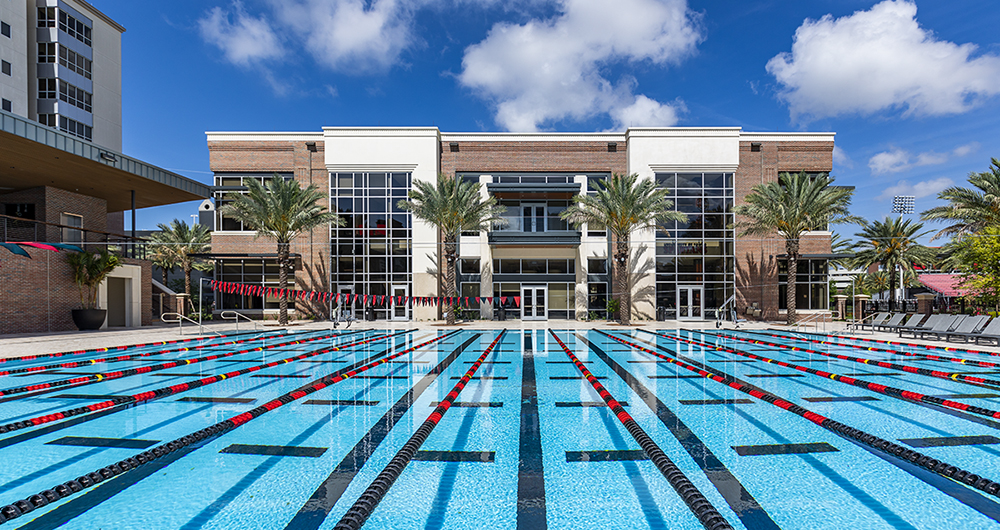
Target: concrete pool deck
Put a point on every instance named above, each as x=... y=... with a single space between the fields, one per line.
x=42 y=343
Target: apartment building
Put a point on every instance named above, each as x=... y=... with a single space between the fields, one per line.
x=558 y=271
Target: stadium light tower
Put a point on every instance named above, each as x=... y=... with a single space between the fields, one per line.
x=902 y=204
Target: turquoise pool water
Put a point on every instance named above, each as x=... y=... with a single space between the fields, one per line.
x=528 y=442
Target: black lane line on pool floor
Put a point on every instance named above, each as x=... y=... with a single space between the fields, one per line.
x=746 y=507
x=531 y=508
x=105 y=490
x=318 y=506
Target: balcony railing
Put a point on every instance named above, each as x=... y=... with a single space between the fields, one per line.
x=531 y=231
x=534 y=224
x=15 y=229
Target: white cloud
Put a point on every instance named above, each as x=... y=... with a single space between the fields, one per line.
x=243 y=39
x=896 y=159
x=548 y=70
x=840 y=157
x=919 y=190
x=880 y=59
x=352 y=36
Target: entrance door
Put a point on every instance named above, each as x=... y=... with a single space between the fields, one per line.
x=534 y=302
x=117 y=302
x=690 y=302
x=345 y=290
x=400 y=311
x=533 y=217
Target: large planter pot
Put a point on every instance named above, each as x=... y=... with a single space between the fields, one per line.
x=89 y=319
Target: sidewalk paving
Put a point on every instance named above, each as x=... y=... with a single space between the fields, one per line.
x=40 y=343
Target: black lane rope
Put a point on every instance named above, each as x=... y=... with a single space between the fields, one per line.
x=67 y=489
x=117 y=348
x=123 y=402
x=89 y=362
x=960 y=378
x=709 y=517
x=358 y=513
x=931 y=356
x=905 y=395
x=94 y=378
x=934 y=465
x=910 y=344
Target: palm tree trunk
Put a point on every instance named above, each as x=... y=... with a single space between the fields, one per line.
x=450 y=249
x=621 y=281
x=892 y=289
x=792 y=249
x=283 y=284
x=187 y=285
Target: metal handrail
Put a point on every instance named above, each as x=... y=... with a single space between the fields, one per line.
x=814 y=320
x=233 y=315
x=858 y=325
x=177 y=318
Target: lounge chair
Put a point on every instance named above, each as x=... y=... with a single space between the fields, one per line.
x=928 y=324
x=911 y=322
x=943 y=326
x=893 y=321
x=877 y=318
x=990 y=332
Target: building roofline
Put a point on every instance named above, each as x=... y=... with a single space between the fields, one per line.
x=97 y=12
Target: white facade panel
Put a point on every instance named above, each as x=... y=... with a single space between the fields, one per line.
x=14 y=50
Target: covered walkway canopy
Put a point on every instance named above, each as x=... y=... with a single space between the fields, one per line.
x=944 y=284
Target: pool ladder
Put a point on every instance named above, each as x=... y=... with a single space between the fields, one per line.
x=233 y=315
x=177 y=318
x=814 y=321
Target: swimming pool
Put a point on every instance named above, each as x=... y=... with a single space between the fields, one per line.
x=529 y=429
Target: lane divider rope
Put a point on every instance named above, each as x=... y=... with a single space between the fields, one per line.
x=910 y=344
x=117 y=348
x=72 y=487
x=931 y=356
x=89 y=362
x=905 y=395
x=709 y=517
x=961 y=378
x=86 y=379
x=885 y=446
x=124 y=402
x=359 y=512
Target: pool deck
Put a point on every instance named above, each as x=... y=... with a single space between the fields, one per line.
x=40 y=343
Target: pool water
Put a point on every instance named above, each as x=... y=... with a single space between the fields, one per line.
x=527 y=443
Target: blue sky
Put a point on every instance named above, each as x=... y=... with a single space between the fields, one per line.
x=912 y=89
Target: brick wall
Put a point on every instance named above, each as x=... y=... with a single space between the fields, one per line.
x=574 y=157
x=308 y=167
x=756 y=258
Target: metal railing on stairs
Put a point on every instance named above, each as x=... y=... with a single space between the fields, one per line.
x=177 y=318
x=814 y=321
x=233 y=315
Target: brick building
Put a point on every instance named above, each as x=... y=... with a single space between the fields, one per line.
x=682 y=271
x=62 y=175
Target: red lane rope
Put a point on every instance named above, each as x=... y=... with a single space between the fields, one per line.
x=931 y=356
x=110 y=348
x=961 y=378
x=885 y=446
x=366 y=503
x=60 y=491
x=76 y=364
x=915 y=345
x=82 y=380
x=874 y=387
x=709 y=517
x=176 y=389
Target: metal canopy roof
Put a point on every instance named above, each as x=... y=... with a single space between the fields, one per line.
x=33 y=155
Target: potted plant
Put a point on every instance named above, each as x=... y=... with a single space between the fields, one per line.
x=612 y=305
x=89 y=269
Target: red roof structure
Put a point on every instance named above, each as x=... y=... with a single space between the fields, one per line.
x=943 y=284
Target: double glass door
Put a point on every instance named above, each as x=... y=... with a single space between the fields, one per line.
x=690 y=302
x=534 y=302
x=533 y=217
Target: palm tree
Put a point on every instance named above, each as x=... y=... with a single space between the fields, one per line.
x=892 y=243
x=841 y=246
x=792 y=206
x=280 y=211
x=971 y=209
x=622 y=206
x=453 y=206
x=173 y=246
